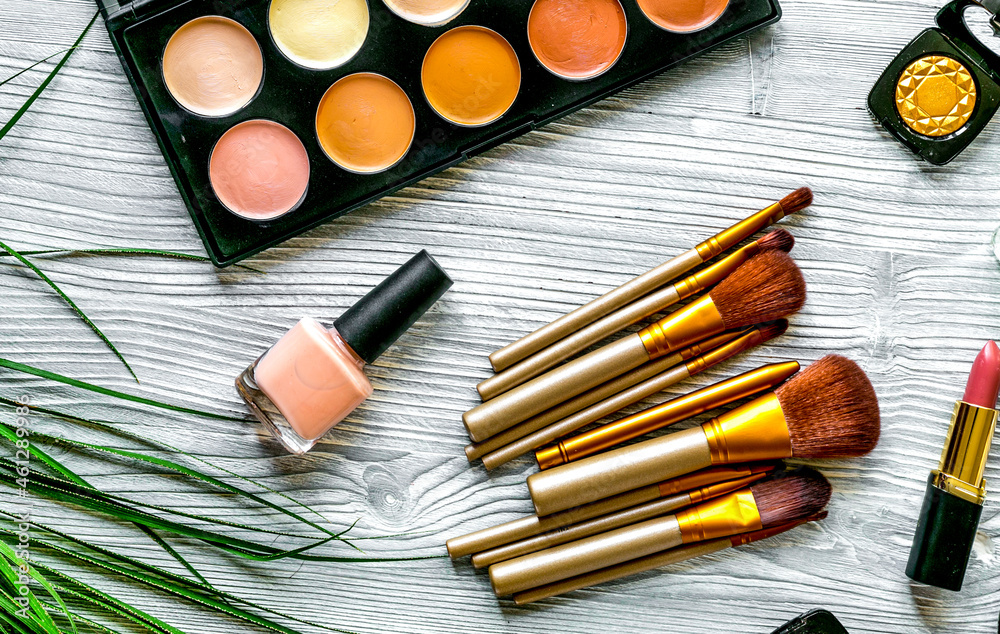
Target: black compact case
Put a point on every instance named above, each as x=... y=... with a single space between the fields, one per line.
x=815 y=622
x=291 y=94
x=952 y=39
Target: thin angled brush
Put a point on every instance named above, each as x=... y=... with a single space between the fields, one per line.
x=767 y=287
x=828 y=411
x=650 y=281
x=777 y=500
x=633 y=313
x=580 y=416
x=658 y=560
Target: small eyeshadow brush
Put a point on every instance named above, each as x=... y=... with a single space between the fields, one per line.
x=658 y=560
x=650 y=281
x=547 y=433
x=780 y=499
x=633 y=313
x=767 y=287
x=829 y=410
x=532 y=525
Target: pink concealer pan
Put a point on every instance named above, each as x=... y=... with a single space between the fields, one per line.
x=577 y=39
x=683 y=16
x=212 y=66
x=259 y=170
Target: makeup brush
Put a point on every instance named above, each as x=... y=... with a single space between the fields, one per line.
x=673 y=411
x=532 y=525
x=767 y=287
x=659 y=560
x=610 y=522
x=650 y=281
x=547 y=426
x=828 y=411
x=633 y=313
x=779 y=499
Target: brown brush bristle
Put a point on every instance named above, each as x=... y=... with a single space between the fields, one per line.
x=831 y=410
x=791 y=496
x=773 y=329
x=797 y=201
x=778 y=239
x=768 y=286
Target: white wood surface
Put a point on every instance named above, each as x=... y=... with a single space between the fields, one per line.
x=897 y=255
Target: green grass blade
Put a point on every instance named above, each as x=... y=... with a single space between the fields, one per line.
x=8 y=552
x=45 y=278
x=45 y=84
x=129 y=251
x=9 y=569
x=38 y=63
x=65 y=380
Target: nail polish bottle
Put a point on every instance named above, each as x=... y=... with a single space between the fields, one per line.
x=314 y=376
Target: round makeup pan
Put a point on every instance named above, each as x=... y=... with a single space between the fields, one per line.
x=683 y=16
x=212 y=66
x=427 y=12
x=365 y=123
x=259 y=170
x=319 y=34
x=471 y=76
x=577 y=39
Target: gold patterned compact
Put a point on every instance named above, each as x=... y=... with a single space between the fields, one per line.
x=939 y=93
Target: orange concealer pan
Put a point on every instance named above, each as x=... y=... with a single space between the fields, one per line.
x=577 y=39
x=683 y=16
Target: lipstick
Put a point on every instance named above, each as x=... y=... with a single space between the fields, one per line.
x=956 y=490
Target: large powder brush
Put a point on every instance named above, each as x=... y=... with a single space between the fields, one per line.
x=828 y=411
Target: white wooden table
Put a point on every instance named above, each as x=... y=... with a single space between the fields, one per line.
x=897 y=255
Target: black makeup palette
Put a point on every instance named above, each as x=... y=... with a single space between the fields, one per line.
x=942 y=90
x=256 y=159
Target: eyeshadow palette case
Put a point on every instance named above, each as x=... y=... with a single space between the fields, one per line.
x=395 y=48
x=956 y=60
x=814 y=622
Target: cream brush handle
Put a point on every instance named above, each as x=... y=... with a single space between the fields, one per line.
x=585 y=555
x=573 y=533
x=559 y=385
x=580 y=419
x=533 y=525
x=620 y=470
x=588 y=313
x=563 y=349
x=612 y=573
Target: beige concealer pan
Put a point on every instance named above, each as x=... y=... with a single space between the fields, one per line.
x=213 y=66
x=427 y=12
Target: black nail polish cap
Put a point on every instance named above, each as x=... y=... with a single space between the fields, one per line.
x=388 y=310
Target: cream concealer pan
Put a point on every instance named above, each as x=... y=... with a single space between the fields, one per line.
x=319 y=34
x=428 y=12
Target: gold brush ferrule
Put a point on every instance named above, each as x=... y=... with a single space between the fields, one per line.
x=692 y=323
x=710 y=344
x=750 y=339
x=722 y=488
x=722 y=517
x=727 y=239
x=966 y=450
x=714 y=475
x=669 y=413
x=712 y=275
x=751 y=432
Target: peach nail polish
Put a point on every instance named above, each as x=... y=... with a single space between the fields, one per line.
x=314 y=376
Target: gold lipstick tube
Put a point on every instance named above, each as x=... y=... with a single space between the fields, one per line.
x=617 y=321
x=532 y=525
x=652 y=562
x=724 y=516
x=696 y=321
x=754 y=431
x=643 y=373
x=636 y=288
x=681 y=408
x=609 y=522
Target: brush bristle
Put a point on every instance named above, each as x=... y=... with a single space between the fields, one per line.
x=773 y=329
x=791 y=496
x=797 y=201
x=831 y=410
x=768 y=286
x=779 y=239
